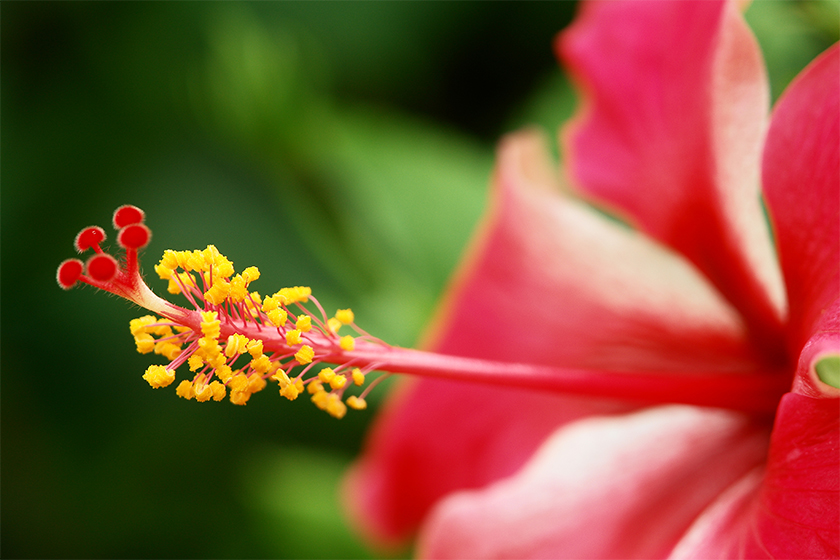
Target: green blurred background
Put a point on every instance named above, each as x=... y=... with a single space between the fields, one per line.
x=346 y=146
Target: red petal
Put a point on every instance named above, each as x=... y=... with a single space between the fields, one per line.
x=801 y=183
x=437 y=437
x=622 y=487
x=793 y=511
x=550 y=283
x=555 y=283
x=670 y=136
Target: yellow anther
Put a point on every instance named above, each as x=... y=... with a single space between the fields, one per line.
x=219 y=391
x=145 y=343
x=184 y=260
x=261 y=365
x=160 y=330
x=159 y=376
x=277 y=317
x=320 y=399
x=164 y=271
x=314 y=387
x=335 y=407
x=345 y=316
x=270 y=303
x=203 y=392
x=210 y=324
x=304 y=323
x=347 y=343
x=139 y=324
x=238 y=289
x=195 y=362
x=333 y=324
x=185 y=390
x=250 y=274
x=305 y=355
x=208 y=348
x=169 y=260
x=238 y=382
x=358 y=377
x=293 y=337
x=168 y=349
x=222 y=267
x=217 y=292
x=297 y=294
x=282 y=378
x=291 y=390
x=326 y=375
x=216 y=361
x=256 y=384
x=236 y=344
x=255 y=348
x=338 y=381
x=356 y=403
x=240 y=397
x=224 y=373
x=195 y=261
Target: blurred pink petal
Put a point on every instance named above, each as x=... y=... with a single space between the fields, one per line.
x=670 y=136
x=802 y=186
x=620 y=487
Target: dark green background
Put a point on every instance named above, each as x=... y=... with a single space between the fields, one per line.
x=345 y=146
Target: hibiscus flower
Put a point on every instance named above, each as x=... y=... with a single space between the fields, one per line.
x=674 y=138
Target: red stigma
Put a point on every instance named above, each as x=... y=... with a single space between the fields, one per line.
x=69 y=272
x=128 y=215
x=135 y=236
x=89 y=237
x=102 y=267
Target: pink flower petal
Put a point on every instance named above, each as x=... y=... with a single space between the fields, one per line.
x=438 y=437
x=553 y=283
x=620 y=487
x=790 y=511
x=670 y=136
x=801 y=183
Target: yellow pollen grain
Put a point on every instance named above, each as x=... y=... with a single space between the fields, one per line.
x=195 y=362
x=261 y=365
x=293 y=337
x=277 y=317
x=250 y=274
x=305 y=355
x=326 y=375
x=345 y=316
x=255 y=348
x=304 y=323
x=219 y=391
x=338 y=381
x=356 y=403
x=256 y=384
x=236 y=344
x=347 y=343
x=185 y=390
x=314 y=387
x=158 y=376
x=240 y=397
x=358 y=377
x=145 y=343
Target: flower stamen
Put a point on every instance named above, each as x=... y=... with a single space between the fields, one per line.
x=230 y=324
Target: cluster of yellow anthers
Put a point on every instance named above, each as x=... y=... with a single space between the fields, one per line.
x=234 y=340
x=207 y=277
